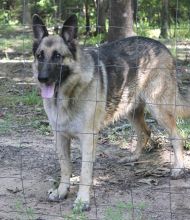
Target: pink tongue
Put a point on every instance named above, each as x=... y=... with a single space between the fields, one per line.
x=47 y=91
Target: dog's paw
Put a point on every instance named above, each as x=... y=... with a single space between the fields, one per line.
x=53 y=195
x=80 y=205
x=177 y=173
x=56 y=195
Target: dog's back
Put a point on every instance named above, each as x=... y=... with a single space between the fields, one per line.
x=137 y=70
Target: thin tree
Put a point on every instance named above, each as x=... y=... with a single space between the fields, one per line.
x=59 y=9
x=26 y=12
x=101 y=8
x=164 y=19
x=87 y=15
x=120 y=19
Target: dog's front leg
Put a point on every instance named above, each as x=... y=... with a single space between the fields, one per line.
x=88 y=145
x=63 y=153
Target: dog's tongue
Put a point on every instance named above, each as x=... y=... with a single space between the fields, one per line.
x=47 y=91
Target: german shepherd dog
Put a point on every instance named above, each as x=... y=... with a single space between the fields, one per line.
x=84 y=90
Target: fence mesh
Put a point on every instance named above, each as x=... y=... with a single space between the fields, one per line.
x=29 y=165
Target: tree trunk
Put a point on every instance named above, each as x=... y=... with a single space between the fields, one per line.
x=87 y=15
x=164 y=19
x=120 y=19
x=135 y=10
x=102 y=6
x=26 y=13
x=59 y=9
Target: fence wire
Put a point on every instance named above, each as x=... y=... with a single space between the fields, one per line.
x=140 y=190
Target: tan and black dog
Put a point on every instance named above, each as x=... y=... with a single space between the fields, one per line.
x=84 y=90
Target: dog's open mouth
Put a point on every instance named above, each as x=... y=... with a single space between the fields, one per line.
x=47 y=90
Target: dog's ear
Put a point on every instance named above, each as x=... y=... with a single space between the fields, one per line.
x=69 y=30
x=39 y=28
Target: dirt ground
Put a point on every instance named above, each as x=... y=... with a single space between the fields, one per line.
x=29 y=166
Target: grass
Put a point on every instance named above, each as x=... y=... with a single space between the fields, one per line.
x=184 y=128
x=25 y=212
x=23 y=42
x=77 y=213
x=43 y=128
x=117 y=134
x=181 y=32
x=117 y=212
x=120 y=211
x=14 y=39
x=24 y=110
x=124 y=211
x=10 y=123
x=10 y=29
x=31 y=98
x=5 y=124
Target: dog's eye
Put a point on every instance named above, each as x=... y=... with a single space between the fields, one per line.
x=40 y=56
x=56 y=55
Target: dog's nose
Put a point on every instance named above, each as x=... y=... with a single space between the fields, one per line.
x=43 y=79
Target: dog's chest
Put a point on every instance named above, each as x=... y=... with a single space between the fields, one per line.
x=60 y=118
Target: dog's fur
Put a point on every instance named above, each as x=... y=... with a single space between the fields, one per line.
x=92 y=88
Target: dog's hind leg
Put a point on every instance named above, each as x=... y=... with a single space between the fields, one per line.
x=136 y=118
x=165 y=117
x=63 y=153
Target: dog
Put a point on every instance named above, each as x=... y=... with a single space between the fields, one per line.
x=85 y=90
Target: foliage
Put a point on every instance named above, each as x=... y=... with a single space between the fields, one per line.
x=77 y=213
x=184 y=127
x=31 y=98
x=124 y=211
x=150 y=16
x=147 y=16
x=43 y=128
x=5 y=124
x=15 y=102
x=120 y=211
x=25 y=212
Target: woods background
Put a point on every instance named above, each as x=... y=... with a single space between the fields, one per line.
x=112 y=18
x=28 y=163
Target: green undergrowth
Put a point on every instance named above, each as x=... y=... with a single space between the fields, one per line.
x=24 y=110
x=184 y=128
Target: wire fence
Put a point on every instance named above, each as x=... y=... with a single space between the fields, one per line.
x=139 y=190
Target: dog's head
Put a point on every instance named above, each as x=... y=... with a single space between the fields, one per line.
x=53 y=54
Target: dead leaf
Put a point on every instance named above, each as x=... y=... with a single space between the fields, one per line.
x=149 y=181
x=14 y=191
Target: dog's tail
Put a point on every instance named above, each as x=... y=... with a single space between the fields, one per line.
x=183 y=103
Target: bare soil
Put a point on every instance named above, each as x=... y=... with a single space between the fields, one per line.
x=29 y=165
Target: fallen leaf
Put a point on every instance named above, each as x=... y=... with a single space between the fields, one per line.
x=14 y=191
x=149 y=181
